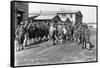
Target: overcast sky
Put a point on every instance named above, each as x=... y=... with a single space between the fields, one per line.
x=89 y=13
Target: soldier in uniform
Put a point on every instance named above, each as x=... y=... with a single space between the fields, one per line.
x=85 y=37
x=64 y=32
x=59 y=29
x=79 y=34
x=87 y=44
x=20 y=35
x=26 y=34
x=52 y=33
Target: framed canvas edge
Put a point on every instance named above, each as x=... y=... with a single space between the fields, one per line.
x=12 y=59
x=12 y=34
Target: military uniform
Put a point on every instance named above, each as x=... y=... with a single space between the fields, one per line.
x=79 y=34
x=20 y=32
x=87 y=38
x=52 y=34
x=64 y=33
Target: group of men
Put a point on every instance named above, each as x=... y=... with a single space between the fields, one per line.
x=58 y=33
x=30 y=31
x=63 y=34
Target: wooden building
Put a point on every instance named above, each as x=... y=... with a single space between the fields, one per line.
x=20 y=12
x=72 y=17
x=48 y=18
x=75 y=17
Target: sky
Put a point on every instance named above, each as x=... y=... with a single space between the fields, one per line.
x=89 y=13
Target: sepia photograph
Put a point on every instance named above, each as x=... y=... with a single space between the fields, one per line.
x=54 y=33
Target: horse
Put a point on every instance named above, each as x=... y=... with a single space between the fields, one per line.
x=38 y=31
x=32 y=31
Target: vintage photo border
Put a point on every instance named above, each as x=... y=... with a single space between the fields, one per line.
x=12 y=31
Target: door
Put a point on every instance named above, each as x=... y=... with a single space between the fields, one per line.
x=19 y=17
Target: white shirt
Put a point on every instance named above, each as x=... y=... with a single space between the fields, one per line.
x=52 y=28
x=64 y=30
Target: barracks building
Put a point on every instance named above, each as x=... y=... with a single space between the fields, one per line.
x=74 y=17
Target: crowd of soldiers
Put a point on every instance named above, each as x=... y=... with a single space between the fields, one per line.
x=31 y=32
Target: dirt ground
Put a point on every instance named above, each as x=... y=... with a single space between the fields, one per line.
x=45 y=53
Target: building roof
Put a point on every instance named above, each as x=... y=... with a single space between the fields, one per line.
x=92 y=23
x=32 y=17
x=21 y=10
x=70 y=12
x=51 y=14
x=45 y=17
x=58 y=12
x=65 y=18
x=67 y=12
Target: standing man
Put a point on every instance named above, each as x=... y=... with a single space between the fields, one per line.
x=64 y=33
x=20 y=32
x=26 y=34
x=59 y=29
x=52 y=33
x=88 y=44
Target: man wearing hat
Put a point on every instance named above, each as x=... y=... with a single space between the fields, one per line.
x=52 y=33
x=64 y=32
x=20 y=32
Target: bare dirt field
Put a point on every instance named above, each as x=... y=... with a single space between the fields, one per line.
x=45 y=53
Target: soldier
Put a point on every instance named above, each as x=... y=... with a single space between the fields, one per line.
x=69 y=34
x=84 y=37
x=26 y=34
x=59 y=29
x=20 y=32
x=59 y=32
x=88 y=44
x=64 y=33
x=52 y=33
